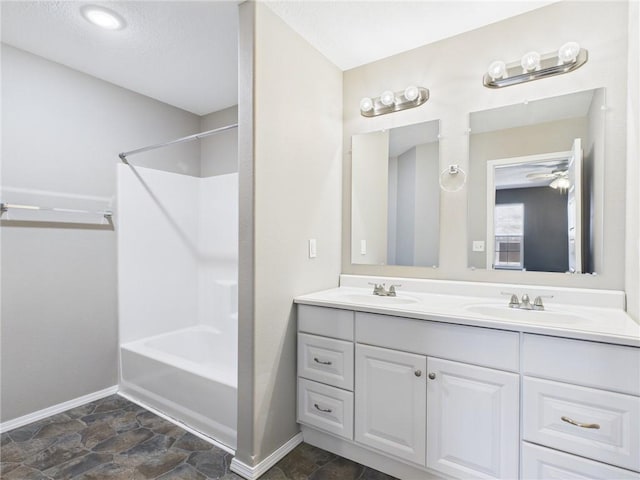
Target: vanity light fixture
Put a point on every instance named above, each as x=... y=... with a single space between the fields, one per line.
x=102 y=17
x=533 y=66
x=389 y=101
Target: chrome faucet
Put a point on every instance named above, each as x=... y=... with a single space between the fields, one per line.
x=525 y=302
x=381 y=290
x=513 y=301
x=537 y=303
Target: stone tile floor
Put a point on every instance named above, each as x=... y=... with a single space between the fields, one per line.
x=113 y=438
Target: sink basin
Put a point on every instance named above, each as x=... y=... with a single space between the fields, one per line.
x=377 y=300
x=503 y=312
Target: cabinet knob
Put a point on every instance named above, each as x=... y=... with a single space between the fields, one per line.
x=418 y=373
x=432 y=376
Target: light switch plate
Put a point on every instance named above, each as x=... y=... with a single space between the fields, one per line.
x=313 y=251
x=363 y=247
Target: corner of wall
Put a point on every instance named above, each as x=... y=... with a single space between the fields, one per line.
x=632 y=273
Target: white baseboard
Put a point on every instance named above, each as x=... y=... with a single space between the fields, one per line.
x=55 y=409
x=184 y=426
x=253 y=473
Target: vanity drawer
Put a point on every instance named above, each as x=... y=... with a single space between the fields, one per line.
x=592 y=364
x=328 y=322
x=326 y=360
x=475 y=345
x=550 y=407
x=540 y=463
x=327 y=408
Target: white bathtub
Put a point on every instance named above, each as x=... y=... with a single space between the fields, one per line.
x=189 y=374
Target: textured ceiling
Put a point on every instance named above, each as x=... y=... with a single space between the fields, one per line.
x=185 y=53
x=353 y=33
x=182 y=53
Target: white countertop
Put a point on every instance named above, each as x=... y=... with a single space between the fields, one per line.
x=611 y=325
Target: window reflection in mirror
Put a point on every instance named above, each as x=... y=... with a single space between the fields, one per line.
x=395 y=203
x=536 y=181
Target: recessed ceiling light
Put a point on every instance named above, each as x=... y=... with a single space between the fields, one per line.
x=102 y=17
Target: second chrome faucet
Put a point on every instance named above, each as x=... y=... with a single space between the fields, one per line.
x=381 y=290
x=525 y=302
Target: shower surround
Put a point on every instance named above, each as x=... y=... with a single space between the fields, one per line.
x=177 y=285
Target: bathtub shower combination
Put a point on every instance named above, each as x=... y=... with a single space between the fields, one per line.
x=177 y=264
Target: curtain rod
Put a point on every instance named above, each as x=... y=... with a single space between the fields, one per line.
x=4 y=207
x=123 y=156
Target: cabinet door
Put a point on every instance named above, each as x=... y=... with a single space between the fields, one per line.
x=390 y=403
x=472 y=420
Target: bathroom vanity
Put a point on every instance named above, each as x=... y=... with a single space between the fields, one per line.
x=444 y=385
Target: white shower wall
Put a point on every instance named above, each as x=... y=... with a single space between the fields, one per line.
x=218 y=247
x=177 y=252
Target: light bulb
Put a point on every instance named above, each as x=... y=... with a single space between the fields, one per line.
x=497 y=69
x=102 y=17
x=411 y=93
x=387 y=98
x=560 y=183
x=366 y=104
x=568 y=52
x=530 y=61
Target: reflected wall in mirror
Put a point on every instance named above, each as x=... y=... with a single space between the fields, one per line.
x=395 y=196
x=536 y=182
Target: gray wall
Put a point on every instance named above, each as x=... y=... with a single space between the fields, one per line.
x=295 y=167
x=456 y=89
x=406 y=213
x=62 y=131
x=545 y=227
x=219 y=152
x=427 y=211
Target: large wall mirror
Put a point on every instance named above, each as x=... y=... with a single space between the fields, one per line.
x=536 y=185
x=395 y=196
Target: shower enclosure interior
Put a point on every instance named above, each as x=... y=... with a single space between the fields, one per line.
x=177 y=286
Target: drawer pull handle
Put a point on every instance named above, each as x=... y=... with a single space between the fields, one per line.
x=325 y=410
x=322 y=362
x=578 y=424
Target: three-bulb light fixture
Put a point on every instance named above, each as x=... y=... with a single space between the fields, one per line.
x=390 y=101
x=533 y=66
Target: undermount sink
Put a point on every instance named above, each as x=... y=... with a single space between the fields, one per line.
x=503 y=312
x=377 y=299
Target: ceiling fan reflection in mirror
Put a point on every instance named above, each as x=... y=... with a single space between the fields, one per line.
x=558 y=177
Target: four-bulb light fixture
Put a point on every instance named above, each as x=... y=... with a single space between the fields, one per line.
x=534 y=66
x=389 y=101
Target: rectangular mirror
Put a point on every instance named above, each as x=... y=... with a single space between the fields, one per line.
x=536 y=183
x=395 y=196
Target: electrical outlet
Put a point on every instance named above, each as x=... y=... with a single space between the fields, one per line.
x=478 y=245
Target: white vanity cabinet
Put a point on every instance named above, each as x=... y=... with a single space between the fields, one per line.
x=325 y=369
x=391 y=402
x=472 y=420
x=443 y=399
x=581 y=398
x=421 y=399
